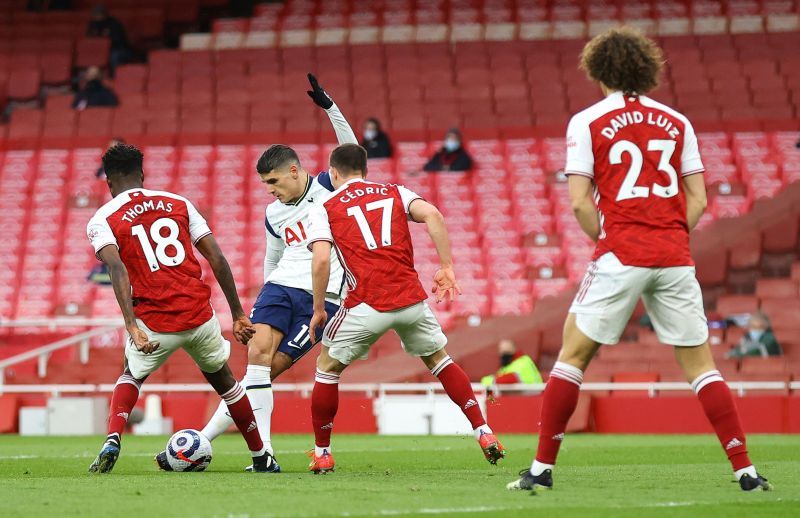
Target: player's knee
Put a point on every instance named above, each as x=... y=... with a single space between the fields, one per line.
x=259 y=348
x=327 y=364
x=432 y=360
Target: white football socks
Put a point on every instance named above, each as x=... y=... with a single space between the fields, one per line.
x=259 y=390
x=219 y=422
x=537 y=468
x=482 y=429
x=319 y=451
x=749 y=470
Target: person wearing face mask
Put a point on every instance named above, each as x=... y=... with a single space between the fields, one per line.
x=452 y=156
x=515 y=367
x=758 y=341
x=375 y=141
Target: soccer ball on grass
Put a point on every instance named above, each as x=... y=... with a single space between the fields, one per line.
x=188 y=450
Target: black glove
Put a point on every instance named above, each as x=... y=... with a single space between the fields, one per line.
x=317 y=94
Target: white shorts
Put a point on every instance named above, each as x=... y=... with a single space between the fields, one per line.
x=610 y=290
x=205 y=344
x=350 y=333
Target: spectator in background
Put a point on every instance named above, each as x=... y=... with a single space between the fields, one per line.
x=94 y=92
x=758 y=341
x=515 y=367
x=452 y=156
x=375 y=141
x=103 y=25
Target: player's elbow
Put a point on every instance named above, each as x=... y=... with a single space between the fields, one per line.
x=434 y=216
x=579 y=205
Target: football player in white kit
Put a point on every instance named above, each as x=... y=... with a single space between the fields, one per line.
x=283 y=309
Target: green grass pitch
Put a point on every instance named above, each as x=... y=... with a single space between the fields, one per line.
x=400 y=476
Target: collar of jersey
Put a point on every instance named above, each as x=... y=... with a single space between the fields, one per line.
x=309 y=181
x=129 y=191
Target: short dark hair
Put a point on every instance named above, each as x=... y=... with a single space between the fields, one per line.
x=275 y=157
x=122 y=159
x=349 y=159
x=623 y=59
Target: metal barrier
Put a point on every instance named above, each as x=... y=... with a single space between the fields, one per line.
x=42 y=354
x=380 y=389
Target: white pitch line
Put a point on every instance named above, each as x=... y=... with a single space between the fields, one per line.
x=442 y=510
x=223 y=452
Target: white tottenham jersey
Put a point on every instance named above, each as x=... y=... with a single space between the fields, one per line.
x=288 y=261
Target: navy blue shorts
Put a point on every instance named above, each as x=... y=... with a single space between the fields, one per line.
x=288 y=310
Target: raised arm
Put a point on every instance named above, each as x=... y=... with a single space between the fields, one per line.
x=344 y=133
x=122 y=290
x=243 y=329
x=444 y=281
x=695 y=188
x=580 y=196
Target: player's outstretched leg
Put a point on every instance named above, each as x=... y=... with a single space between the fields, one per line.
x=559 y=401
x=126 y=393
x=457 y=385
x=258 y=383
x=241 y=412
x=720 y=409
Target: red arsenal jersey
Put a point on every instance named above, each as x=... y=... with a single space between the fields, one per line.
x=368 y=225
x=636 y=150
x=154 y=232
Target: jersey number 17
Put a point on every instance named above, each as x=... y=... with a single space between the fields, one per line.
x=386 y=205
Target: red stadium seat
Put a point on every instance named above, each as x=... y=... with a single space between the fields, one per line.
x=23 y=84
x=92 y=52
x=736 y=304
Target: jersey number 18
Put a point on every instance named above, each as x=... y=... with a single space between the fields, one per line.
x=159 y=256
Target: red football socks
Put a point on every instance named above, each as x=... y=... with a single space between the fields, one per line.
x=718 y=405
x=560 y=400
x=324 y=404
x=457 y=385
x=242 y=415
x=124 y=397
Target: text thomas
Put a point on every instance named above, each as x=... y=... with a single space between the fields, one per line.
x=146 y=206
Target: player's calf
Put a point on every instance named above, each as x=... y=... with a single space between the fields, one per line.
x=457 y=385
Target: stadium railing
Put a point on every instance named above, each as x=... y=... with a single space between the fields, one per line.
x=381 y=389
x=42 y=354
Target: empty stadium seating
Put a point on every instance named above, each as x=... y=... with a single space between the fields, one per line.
x=503 y=71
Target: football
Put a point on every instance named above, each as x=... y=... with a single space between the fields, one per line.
x=188 y=450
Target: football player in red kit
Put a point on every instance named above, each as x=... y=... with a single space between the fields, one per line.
x=145 y=237
x=636 y=187
x=366 y=224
